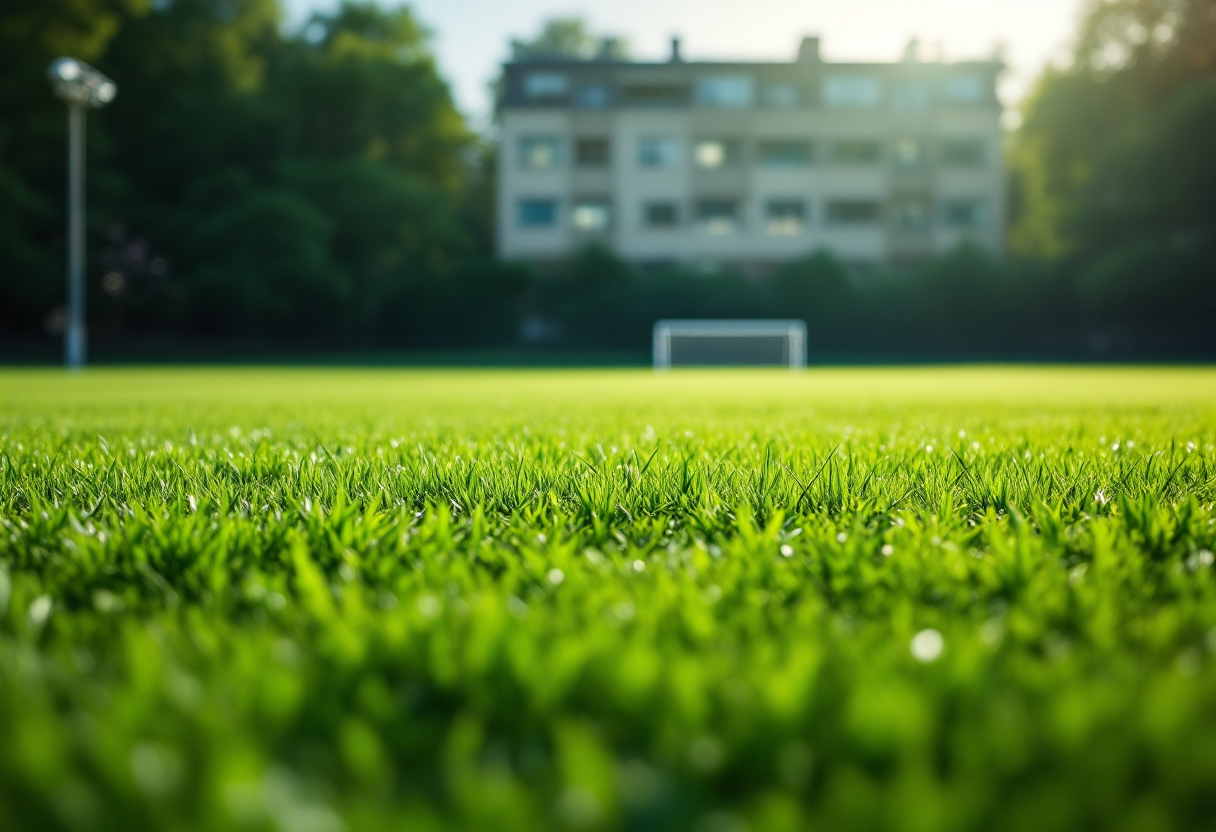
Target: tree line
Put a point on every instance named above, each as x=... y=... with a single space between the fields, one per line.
x=315 y=187
x=248 y=179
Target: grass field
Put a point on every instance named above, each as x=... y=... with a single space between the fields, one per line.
x=317 y=601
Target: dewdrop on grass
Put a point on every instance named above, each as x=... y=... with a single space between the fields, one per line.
x=428 y=606
x=556 y=576
x=927 y=645
x=40 y=610
x=992 y=632
x=624 y=611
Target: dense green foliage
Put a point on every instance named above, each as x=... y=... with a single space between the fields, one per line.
x=248 y=178
x=857 y=599
x=961 y=303
x=1113 y=169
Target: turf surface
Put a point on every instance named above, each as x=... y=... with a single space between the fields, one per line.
x=317 y=601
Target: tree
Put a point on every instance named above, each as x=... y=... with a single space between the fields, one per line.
x=1156 y=176
x=1133 y=58
x=1115 y=170
x=248 y=179
x=33 y=144
x=363 y=83
x=568 y=37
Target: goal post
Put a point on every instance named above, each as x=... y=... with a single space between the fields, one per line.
x=729 y=343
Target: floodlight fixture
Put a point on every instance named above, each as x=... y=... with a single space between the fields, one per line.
x=75 y=82
x=81 y=87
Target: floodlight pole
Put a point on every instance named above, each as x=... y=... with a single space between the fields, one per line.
x=79 y=86
x=75 y=334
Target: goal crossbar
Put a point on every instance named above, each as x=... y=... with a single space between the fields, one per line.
x=792 y=331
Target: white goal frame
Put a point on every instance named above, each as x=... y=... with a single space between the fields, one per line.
x=792 y=330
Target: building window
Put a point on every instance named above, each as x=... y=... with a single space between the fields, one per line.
x=591 y=153
x=654 y=95
x=910 y=154
x=785 y=217
x=591 y=215
x=857 y=152
x=730 y=91
x=785 y=154
x=711 y=154
x=963 y=89
x=912 y=215
x=851 y=91
x=962 y=153
x=658 y=152
x=662 y=214
x=591 y=97
x=912 y=97
x=545 y=84
x=539 y=152
x=718 y=216
x=854 y=211
x=538 y=213
x=781 y=96
x=964 y=213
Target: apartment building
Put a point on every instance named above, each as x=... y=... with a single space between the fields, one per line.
x=749 y=164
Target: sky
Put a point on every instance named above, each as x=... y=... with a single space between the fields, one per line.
x=471 y=37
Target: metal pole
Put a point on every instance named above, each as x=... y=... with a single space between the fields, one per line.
x=661 y=346
x=74 y=336
x=798 y=347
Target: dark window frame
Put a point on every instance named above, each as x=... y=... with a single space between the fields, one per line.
x=651 y=208
x=853 y=212
x=524 y=204
x=857 y=151
x=585 y=157
x=803 y=214
x=766 y=158
x=702 y=218
x=976 y=209
x=962 y=152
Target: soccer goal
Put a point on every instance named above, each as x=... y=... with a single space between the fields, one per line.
x=729 y=343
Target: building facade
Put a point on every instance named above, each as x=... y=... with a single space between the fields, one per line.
x=749 y=164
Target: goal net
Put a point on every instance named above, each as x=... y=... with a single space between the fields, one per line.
x=729 y=343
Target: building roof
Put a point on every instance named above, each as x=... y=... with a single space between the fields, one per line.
x=617 y=80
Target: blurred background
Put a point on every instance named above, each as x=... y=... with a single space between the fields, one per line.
x=301 y=178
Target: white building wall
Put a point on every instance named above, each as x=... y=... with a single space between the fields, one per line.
x=635 y=186
x=516 y=183
x=631 y=186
